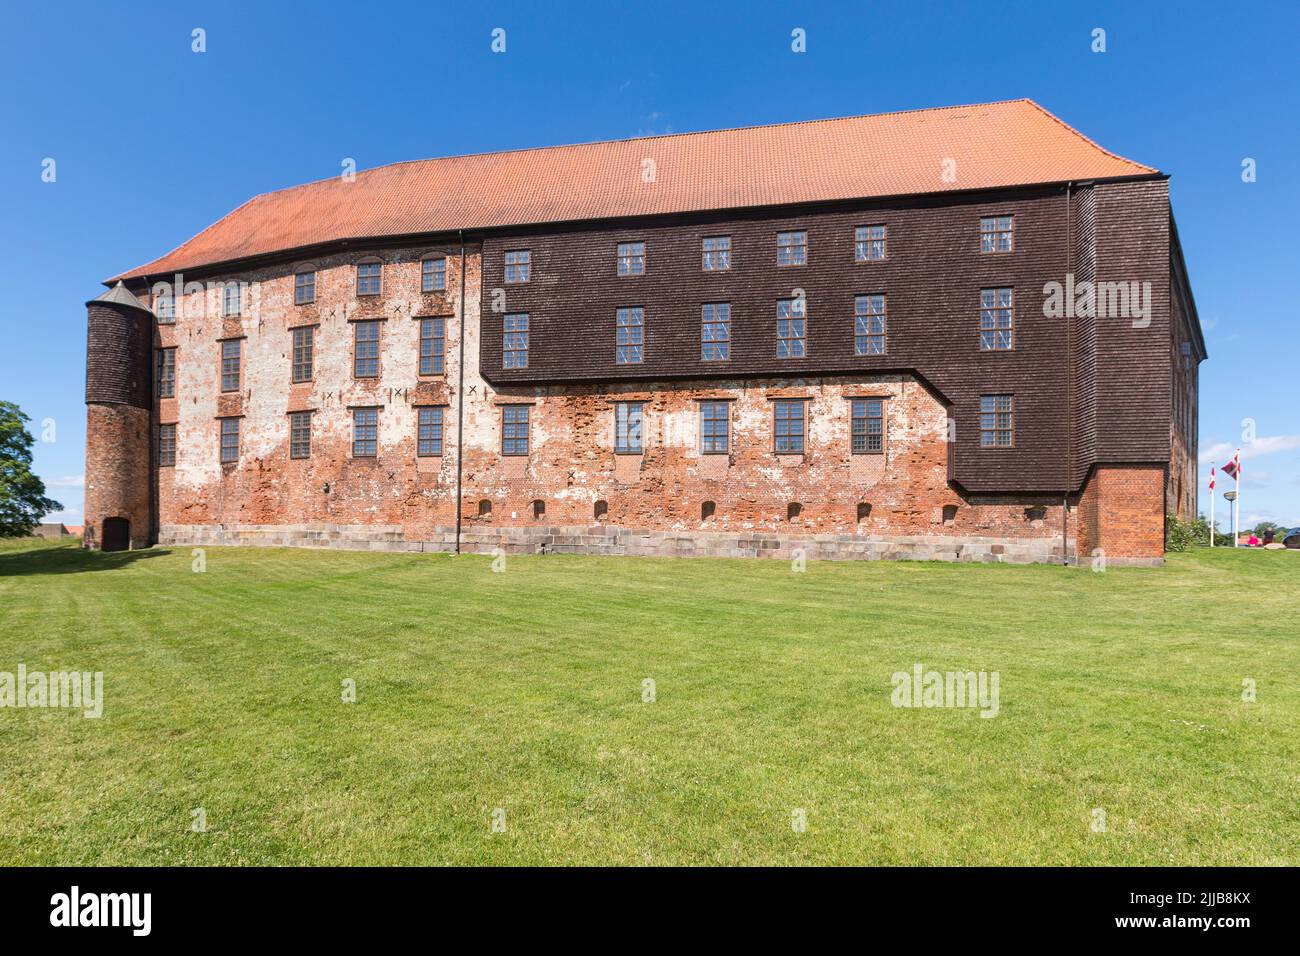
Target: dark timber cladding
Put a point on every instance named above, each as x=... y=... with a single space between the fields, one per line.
x=932 y=277
x=119 y=342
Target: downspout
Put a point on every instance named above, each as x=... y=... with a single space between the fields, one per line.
x=460 y=394
x=155 y=417
x=1069 y=392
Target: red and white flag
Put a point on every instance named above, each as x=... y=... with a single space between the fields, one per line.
x=1233 y=468
x=1211 y=477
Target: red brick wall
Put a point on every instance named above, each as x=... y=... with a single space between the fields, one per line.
x=1121 y=512
x=117 y=471
x=572 y=464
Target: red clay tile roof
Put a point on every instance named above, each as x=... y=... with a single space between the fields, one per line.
x=1010 y=143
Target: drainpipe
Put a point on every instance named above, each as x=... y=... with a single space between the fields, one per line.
x=1069 y=393
x=460 y=393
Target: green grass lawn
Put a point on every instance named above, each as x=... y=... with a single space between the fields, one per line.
x=522 y=690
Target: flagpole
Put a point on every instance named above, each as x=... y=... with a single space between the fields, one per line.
x=1211 y=506
x=1236 y=504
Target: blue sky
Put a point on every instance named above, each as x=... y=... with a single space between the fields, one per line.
x=152 y=141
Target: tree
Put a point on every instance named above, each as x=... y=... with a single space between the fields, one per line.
x=22 y=494
x=1264 y=527
x=1220 y=538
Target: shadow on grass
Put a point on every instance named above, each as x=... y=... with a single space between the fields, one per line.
x=26 y=562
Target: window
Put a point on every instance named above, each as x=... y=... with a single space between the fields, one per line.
x=868 y=434
x=714 y=418
x=869 y=325
x=432 y=346
x=428 y=440
x=368 y=275
x=631 y=258
x=995 y=320
x=627 y=427
x=231 y=295
x=717 y=253
x=995 y=421
x=995 y=234
x=433 y=274
x=631 y=324
x=365 y=432
x=229 y=440
x=791 y=321
x=304 y=346
x=716 y=333
x=518 y=263
x=365 y=357
x=514 y=429
x=791 y=248
x=165 y=306
x=230 y=356
x=304 y=287
x=167 y=373
x=167 y=446
x=788 y=426
x=514 y=341
x=300 y=434
x=869 y=243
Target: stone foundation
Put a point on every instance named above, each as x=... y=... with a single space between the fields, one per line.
x=607 y=539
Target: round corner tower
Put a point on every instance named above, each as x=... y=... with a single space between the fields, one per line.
x=119 y=400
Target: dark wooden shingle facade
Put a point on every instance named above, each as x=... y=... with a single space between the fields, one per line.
x=1086 y=389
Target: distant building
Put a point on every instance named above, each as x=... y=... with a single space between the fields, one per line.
x=51 y=530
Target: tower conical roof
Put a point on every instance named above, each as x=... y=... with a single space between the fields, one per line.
x=120 y=295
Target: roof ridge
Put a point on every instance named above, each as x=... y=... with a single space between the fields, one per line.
x=634 y=139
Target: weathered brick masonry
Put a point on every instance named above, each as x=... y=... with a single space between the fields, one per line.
x=1118 y=512
x=1105 y=407
x=119 y=475
x=572 y=468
